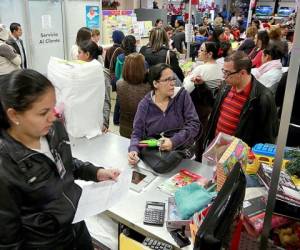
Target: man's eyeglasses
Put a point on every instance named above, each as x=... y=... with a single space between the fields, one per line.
x=169 y=80
x=229 y=73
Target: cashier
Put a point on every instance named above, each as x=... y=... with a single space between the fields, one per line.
x=38 y=194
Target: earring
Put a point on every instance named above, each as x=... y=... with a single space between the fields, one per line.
x=17 y=123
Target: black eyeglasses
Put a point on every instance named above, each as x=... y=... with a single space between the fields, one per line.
x=229 y=73
x=169 y=80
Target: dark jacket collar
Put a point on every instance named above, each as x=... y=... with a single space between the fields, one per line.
x=16 y=150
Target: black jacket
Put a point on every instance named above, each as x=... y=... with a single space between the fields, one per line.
x=37 y=206
x=10 y=41
x=258 y=119
x=154 y=58
x=178 y=40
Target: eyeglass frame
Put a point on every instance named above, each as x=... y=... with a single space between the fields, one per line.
x=230 y=73
x=168 y=80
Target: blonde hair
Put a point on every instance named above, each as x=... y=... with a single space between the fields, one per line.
x=158 y=38
x=218 y=22
x=275 y=33
x=251 y=31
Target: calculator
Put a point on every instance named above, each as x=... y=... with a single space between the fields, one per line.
x=154 y=213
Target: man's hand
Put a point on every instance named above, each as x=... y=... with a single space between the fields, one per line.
x=107 y=174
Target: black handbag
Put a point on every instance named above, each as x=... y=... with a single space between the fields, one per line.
x=161 y=161
x=165 y=161
x=214 y=233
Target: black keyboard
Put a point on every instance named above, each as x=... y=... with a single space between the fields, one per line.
x=156 y=244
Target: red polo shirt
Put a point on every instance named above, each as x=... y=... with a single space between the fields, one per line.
x=231 y=109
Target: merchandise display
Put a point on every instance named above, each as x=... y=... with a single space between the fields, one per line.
x=125 y=21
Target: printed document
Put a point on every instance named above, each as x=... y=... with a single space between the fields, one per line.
x=98 y=197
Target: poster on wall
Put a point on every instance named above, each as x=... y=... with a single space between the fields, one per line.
x=92 y=17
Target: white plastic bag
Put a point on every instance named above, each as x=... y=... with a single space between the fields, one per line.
x=80 y=89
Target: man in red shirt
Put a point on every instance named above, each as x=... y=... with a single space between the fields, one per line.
x=243 y=107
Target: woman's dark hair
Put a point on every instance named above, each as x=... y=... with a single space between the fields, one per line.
x=216 y=33
x=156 y=71
x=263 y=36
x=211 y=47
x=83 y=34
x=91 y=47
x=275 y=50
x=157 y=21
x=257 y=23
x=19 y=90
x=129 y=44
x=158 y=38
x=225 y=47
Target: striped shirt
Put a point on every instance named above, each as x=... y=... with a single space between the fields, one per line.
x=231 y=109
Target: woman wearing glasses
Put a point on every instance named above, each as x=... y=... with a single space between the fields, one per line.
x=165 y=108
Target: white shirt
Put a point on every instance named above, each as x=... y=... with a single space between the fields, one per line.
x=270 y=79
x=208 y=72
x=44 y=149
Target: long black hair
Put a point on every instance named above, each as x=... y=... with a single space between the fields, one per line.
x=19 y=90
x=263 y=36
x=90 y=46
x=213 y=48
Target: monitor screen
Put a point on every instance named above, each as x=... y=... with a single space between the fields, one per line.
x=285 y=11
x=137 y=177
x=264 y=10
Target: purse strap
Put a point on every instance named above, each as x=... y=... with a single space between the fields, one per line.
x=112 y=57
x=168 y=60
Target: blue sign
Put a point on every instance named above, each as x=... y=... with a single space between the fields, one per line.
x=92 y=17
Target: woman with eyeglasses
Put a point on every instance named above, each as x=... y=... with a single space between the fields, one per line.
x=203 y=82
x=165 y=108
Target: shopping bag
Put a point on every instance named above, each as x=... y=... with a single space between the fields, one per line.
x=80 y=89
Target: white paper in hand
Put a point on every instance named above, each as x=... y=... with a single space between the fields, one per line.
x=98 y=197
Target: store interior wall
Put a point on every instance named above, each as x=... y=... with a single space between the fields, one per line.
x=46 y=33
x=75 y=18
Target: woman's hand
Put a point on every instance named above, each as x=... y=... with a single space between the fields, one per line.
x=197 y=80
x=165 y=144
x=107 y=174
x=133 y=158
x=104 y=129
